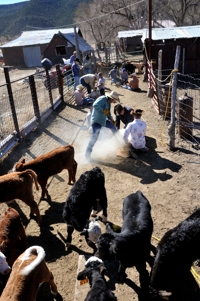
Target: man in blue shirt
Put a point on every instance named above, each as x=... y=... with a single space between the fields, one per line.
x=101 y=117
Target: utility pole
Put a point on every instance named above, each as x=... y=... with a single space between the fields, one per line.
x=150 y=20
x=76 y=41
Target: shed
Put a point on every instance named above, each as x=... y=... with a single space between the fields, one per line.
x=130 y=40
x=54 y=44
x=166 y=39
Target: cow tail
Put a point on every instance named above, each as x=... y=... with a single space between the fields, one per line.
x=34 y=177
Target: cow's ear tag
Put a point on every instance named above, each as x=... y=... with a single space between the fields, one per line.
x=84 y=281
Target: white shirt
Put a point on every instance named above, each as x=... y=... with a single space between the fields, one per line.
x=137 y=131
x=101 y=82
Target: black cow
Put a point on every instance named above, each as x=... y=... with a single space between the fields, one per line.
x=176 y=252
x=132 y=246
x=130 y=68
x=82 y=199
x=94 y=271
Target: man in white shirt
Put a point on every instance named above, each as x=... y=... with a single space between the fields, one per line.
x=134 y=134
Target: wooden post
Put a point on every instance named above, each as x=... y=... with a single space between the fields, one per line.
x=183 y=61
x=11 y=100
x=34 y=98
x=77 y=44
x=159 y=86
x=171 y=128
x=185 y=116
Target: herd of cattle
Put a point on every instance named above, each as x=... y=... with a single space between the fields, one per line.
x=131 y=245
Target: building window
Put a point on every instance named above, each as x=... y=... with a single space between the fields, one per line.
x=60 y=50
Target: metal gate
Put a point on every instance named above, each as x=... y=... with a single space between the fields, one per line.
x=32 y=56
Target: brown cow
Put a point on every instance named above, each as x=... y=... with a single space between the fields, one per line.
x=19 y=185
x=50 y=164
x=28 y=273
x=13 y=240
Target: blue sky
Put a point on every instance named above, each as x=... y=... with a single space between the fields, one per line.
x=10 y=1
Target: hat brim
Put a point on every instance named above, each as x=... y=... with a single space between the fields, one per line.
x=108 y=94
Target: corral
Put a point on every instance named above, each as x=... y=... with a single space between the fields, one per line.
x=169 y=180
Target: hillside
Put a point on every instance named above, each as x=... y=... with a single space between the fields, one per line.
x=38 y=14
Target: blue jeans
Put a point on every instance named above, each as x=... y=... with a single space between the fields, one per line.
x=87 y=100
x=76 y=81
x=96 y=127
x=87 y=70
x=82 y=82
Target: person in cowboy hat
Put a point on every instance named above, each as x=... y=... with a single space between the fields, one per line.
x=134 y=134
x=101 y=117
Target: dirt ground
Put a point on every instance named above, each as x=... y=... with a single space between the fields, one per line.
x=169 y=180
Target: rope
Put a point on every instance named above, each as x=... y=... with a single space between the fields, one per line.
x=192 y=270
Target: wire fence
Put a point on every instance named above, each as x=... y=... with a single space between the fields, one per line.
x=28 y=101
x=187 y=106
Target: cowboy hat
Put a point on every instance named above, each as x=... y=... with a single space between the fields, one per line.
x=113 y=95
x=133 y=74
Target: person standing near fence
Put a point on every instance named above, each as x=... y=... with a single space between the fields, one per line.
x=76 y=72
x=87 y=64
x=101 y=83
x=101 y=117
x=72 y=58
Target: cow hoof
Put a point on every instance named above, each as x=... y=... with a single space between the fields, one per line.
x=104 y=218
x=94 y=213
x=67 y=246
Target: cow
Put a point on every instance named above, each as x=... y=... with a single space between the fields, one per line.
x=4 y=267
x=13 y=240
x=81 y=200
x=94 y=271
x=130 y=68
x=19 y=185
x=176 y=252
x=50 y=164
x=29 y=271
x=131 y=247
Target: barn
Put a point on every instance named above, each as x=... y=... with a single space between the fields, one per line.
x=54 y=44
x=167 y=39
x=130 y=40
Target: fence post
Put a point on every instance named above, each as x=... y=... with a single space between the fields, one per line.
x=60 y=82
x=11 y=100
x=49 y=87
x=34 y=98
x=171 y=128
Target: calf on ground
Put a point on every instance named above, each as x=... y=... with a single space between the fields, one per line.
x=82 y=199
x=131 y=247
x=28 y=273
x=50 y=164
x=13 y=240
x=176 y=252
x=19 y=185
x=94 y=271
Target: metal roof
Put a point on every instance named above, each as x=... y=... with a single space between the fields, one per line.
x=37 y=37
x=172 y=33
x=83 y=45
x=130 y=33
